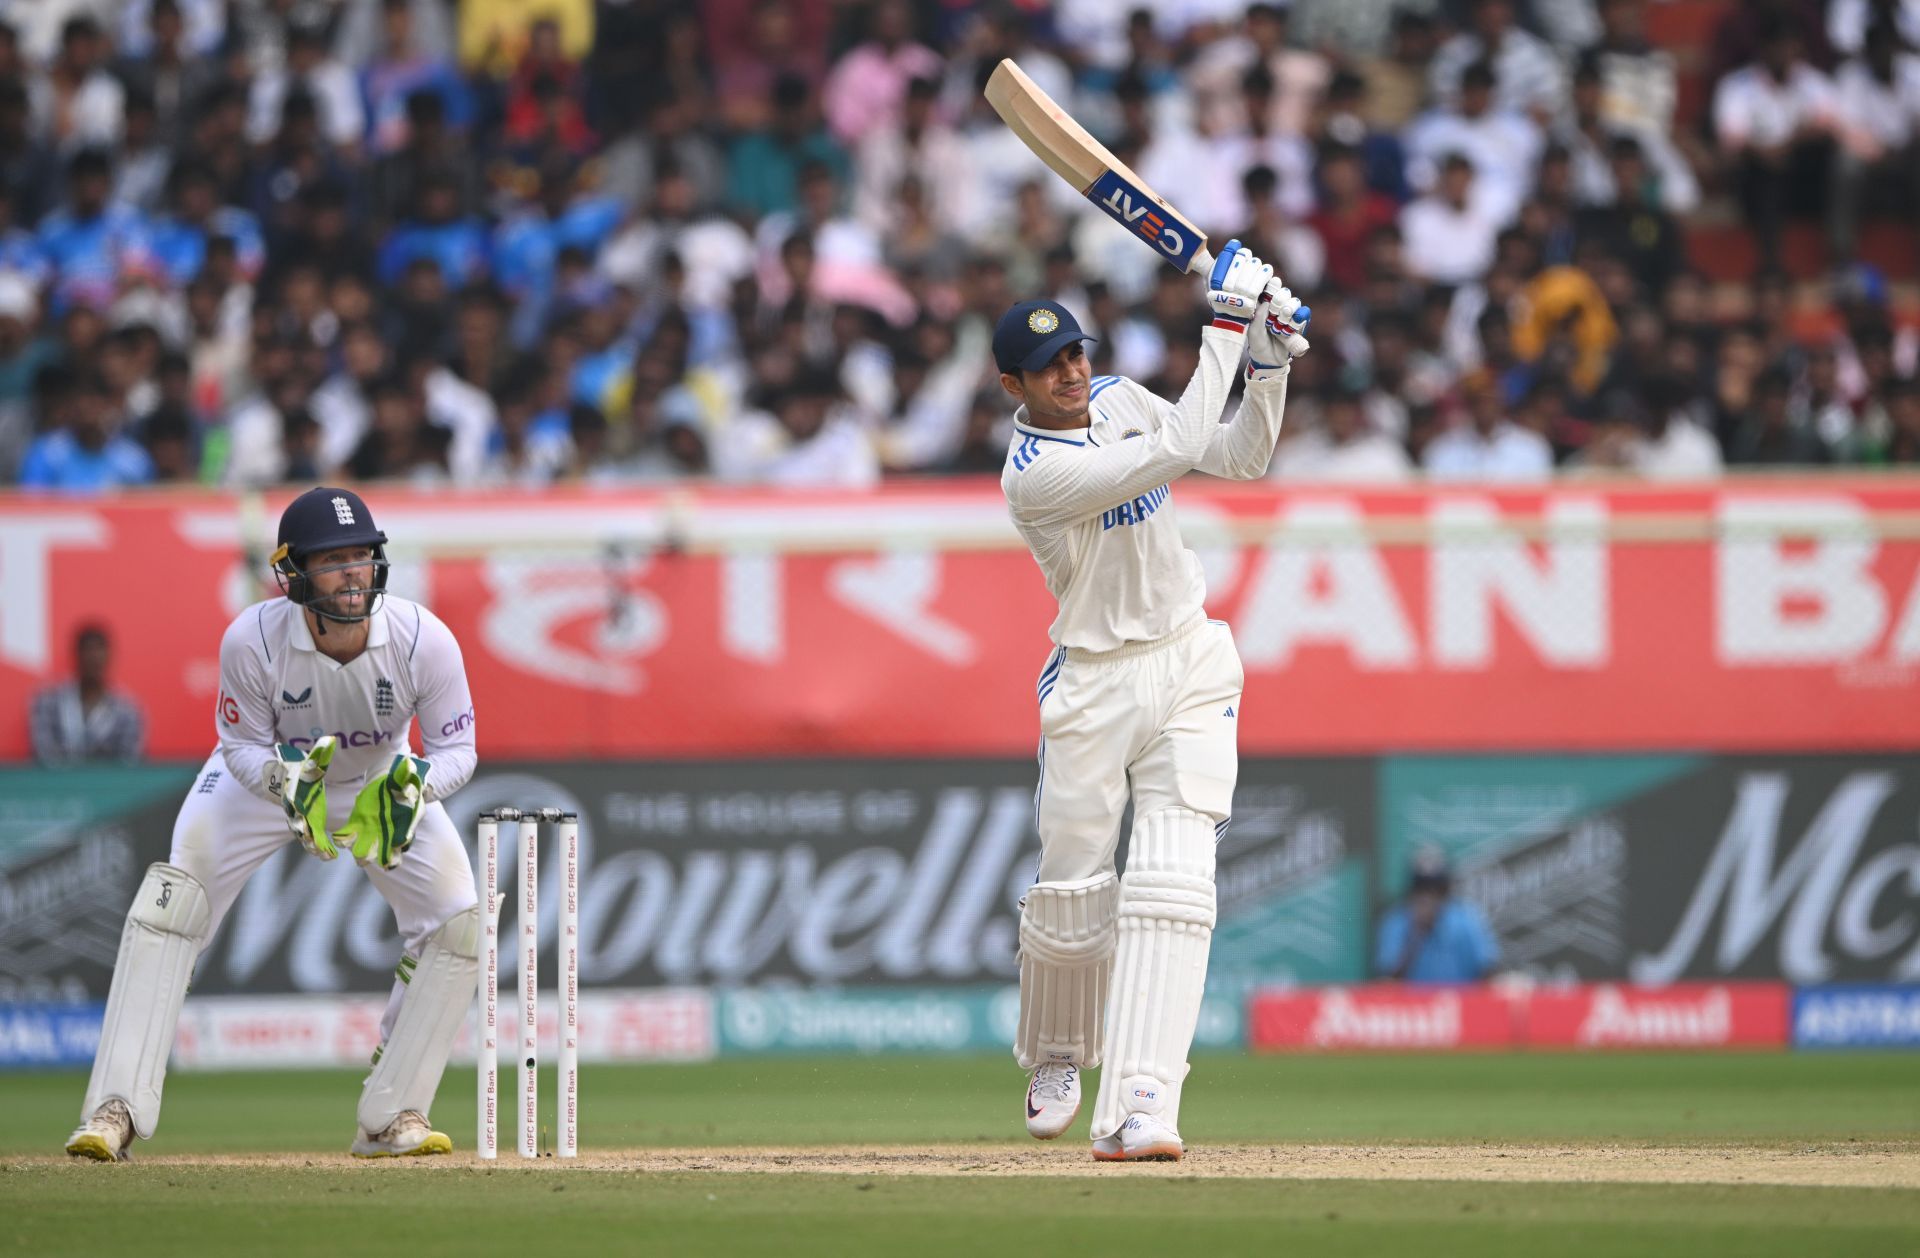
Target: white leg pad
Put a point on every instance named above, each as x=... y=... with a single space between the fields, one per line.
x=1066 y=961
x=165 y=929
x=1160 y=968
x=406 y=1072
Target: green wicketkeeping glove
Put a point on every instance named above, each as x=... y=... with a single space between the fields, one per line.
x=385 y=813
x=300 y=780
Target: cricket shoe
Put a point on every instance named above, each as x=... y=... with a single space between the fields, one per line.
x=1142 y=1138
x=106 y=1136
x=408 y=1136
x=1053 y=1098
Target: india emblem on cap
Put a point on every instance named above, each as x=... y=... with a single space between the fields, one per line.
x=1043 y=321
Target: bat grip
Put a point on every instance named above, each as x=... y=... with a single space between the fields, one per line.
x=1203 y=263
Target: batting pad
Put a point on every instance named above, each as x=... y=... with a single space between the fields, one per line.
x=158 y=946
x=1066 y=962
x=406 y=1072
x=1159 y=967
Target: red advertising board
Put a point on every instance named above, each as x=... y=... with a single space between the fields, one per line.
x=1381 y=1016
x=1680 y=1015
x=1583 y=1016
x=910 y=622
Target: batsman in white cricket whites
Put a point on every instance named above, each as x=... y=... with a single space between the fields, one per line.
x=318 y=688
x=1140 y=688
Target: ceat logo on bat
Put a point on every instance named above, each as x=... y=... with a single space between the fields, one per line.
x=1133 y=209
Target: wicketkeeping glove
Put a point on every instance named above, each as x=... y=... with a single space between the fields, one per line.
x=1234 y=286
x=385 y=814
x=299 y=779
x=1276 y=339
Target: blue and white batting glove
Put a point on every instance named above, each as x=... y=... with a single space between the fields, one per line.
x=1276 y=337
x=1234 y=286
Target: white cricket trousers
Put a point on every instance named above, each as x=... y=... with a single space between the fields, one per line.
x=224 y=833
x=1160 y=717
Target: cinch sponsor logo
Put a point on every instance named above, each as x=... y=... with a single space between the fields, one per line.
x=349 y=738
x=1137 y=511
x=457 y=724
x=1643 y=1019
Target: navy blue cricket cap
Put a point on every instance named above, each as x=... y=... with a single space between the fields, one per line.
x=1031 y=332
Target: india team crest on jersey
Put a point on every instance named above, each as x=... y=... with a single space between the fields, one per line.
x=1043 y=321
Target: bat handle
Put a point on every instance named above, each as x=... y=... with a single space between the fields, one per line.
x=1203 y=263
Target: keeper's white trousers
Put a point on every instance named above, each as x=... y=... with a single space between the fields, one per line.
x=1160 y=717
x=224 y=833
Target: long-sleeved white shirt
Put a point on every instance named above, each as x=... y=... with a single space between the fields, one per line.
x=276 y=687
x=1095 y=504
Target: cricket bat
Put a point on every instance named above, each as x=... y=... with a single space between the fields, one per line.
x=1096 y=173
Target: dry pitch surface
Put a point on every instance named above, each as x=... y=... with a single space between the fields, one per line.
x=1845 y=1165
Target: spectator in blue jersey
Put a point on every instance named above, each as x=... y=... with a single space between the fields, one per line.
x=178 y=243
x=402 y=69
x=91 y=239
x=561 y=211
x=440 y=234
x=88 y=453
x=1430 y=937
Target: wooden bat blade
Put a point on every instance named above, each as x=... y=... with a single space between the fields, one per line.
x=1094 y=172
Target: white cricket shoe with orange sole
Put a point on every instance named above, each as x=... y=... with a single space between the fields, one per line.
x=1142 y=1138
x=1053 y=1098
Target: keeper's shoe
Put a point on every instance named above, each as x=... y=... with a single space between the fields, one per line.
x=408 y=1136
x=1053 y=1098
x=105 y=1137
x=1142 y=1138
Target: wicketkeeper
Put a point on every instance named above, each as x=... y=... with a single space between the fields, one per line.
x=317 y=691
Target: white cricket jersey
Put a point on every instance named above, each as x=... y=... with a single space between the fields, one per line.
x=276 y=687
x=1095 y=504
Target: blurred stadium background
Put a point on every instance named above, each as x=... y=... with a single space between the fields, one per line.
x=655 y=334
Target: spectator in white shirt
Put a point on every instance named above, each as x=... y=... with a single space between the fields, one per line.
x=1489 y=446
x=1344 y=448
x=1675 y=445
x=77 y=102
x=1450 y=232
x=1503 y=144
x=308 y=67
x=1876 y=106
x=1300 y=76
x=1529 y=76
x=810 y=440
x=1774 y=119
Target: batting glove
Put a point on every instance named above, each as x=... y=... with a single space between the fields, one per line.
x=1275 y=338
x=298 y=779
x=1234 y=286
x=385 y=814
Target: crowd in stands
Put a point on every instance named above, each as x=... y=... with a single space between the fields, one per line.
x=514 y=242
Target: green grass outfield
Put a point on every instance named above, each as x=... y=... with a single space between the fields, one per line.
x=1817 y=1105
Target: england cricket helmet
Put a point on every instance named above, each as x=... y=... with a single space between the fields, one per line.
x=320 y=520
